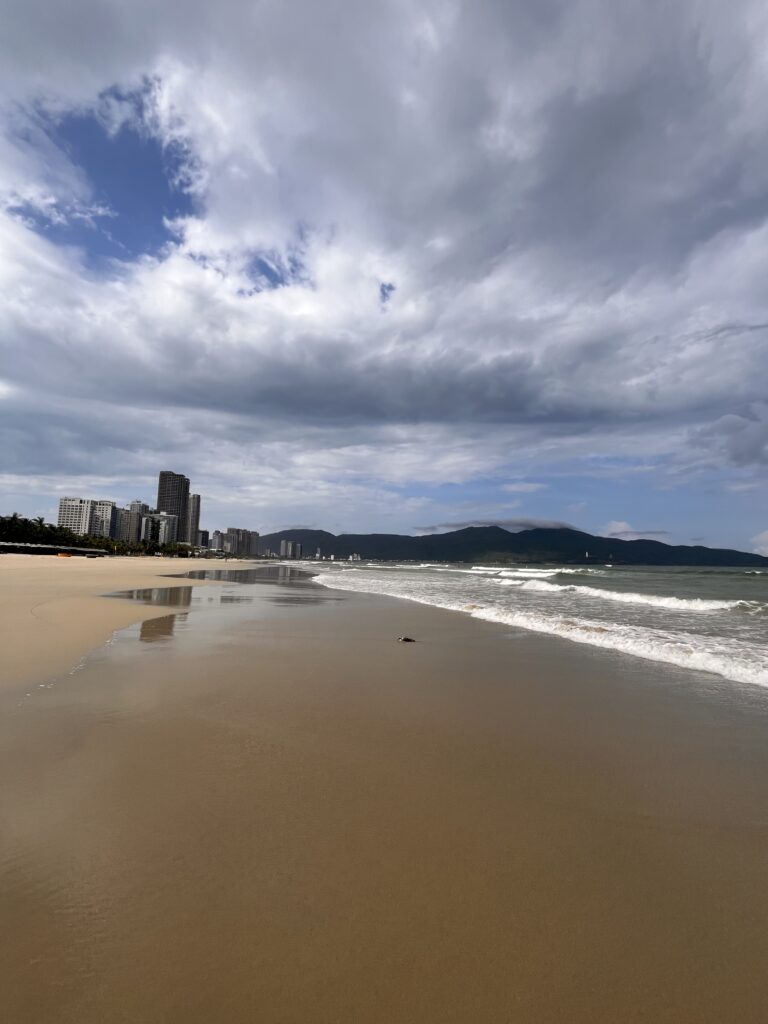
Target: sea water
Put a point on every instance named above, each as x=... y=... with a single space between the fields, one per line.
x=705 y=619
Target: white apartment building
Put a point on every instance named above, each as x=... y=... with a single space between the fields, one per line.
x=75 y=514
x=87 y=516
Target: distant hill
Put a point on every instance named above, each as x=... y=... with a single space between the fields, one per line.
x=494 y=544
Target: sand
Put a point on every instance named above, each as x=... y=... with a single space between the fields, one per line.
x=52 y=614
x=275 y=812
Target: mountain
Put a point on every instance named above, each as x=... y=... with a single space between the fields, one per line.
x=493 y=544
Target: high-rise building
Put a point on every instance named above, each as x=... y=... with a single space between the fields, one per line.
x=127 y=525
x=103 y=519
x=75 y=514
x=241 y=542
x=173 y=499
x=290 y=549
x=193 y=516
x=159 y=527
x=202 y=538
x=216 y=542
x=87 y=516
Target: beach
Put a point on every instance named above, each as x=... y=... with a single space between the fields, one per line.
x=253 y=803
x=52 y=612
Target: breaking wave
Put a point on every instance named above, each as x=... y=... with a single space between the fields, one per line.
x=643 y=631
x=688 y=604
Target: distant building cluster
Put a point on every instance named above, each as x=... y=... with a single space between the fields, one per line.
x=175 y=519
x=234 y=541
x=290 y=549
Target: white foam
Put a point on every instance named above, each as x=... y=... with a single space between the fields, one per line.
x=688 y=604
x=730 y=658
x=725 y=658
x=535 y=573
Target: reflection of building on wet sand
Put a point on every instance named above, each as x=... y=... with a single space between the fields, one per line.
x=174 y=597
x=158 y=629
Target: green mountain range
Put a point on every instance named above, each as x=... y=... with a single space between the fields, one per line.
x=494 y=544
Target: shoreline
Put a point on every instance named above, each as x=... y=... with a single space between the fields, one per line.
x=53 y=612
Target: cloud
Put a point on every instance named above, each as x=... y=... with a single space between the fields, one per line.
x=760 y=542
x=522 y=488
x=624 y=531
x=457 y=242
x=512 y=525
x=739 y=438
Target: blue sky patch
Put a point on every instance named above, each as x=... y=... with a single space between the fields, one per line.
x=134 y=182
x=268 y=270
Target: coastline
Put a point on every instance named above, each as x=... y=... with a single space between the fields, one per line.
x=278 y=812
x=53 y=613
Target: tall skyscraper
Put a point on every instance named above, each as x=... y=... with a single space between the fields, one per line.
x=193 y=526
x=173 y=499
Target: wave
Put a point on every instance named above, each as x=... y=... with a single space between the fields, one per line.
x=583 y=572
x=732 y=659
x=530 y=573
x=724 y=658
x=688 y=604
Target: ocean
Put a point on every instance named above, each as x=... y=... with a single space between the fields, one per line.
x=704 y=619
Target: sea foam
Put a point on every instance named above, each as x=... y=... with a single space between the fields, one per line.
x=730 y=657
x=688 y=604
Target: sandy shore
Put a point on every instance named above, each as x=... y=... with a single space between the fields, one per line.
x=275 y=812
x=52 y=614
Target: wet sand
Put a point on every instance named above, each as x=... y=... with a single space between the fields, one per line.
x=275 y=812
x=52 y=614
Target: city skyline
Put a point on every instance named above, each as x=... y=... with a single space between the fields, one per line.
x=495 y=268
x=173 y=520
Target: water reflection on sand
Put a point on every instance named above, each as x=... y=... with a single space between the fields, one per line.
x=237 y=587
x=152 y=630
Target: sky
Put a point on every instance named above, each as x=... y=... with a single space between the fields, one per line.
x=389 y=268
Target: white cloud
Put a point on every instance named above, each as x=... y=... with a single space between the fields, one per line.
x=522 y=487
x=760 y=542
x=569 y=209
